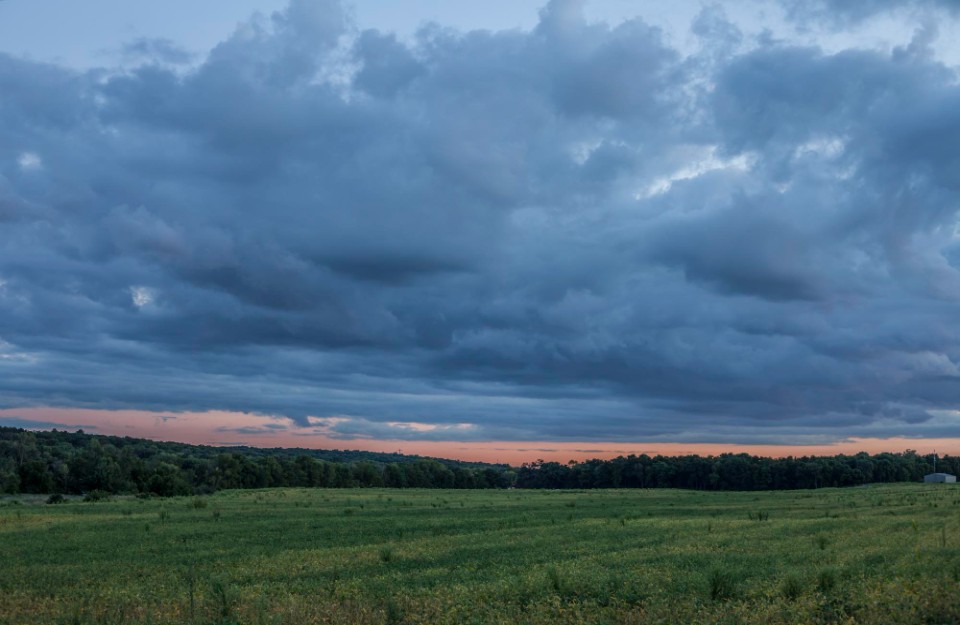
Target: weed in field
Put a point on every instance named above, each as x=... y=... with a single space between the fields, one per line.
x=223 y=596
x=386 y=554
x=262 y=607
x=792 y=587
x=190 y=577
x=553 y=580
x=826 y=581
x=334 y=578
x=393 y=613
x=721 y=584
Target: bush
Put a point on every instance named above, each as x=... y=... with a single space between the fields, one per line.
x=97 y=495
x=56 y=498
x=205 y=489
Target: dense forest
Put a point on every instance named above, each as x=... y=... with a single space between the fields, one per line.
x=734 y=471
x=76 y=463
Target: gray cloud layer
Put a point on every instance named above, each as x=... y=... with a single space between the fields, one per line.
x=573 y=233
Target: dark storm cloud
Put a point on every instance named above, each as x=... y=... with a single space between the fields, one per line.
x=387 y=65
x=572 y=233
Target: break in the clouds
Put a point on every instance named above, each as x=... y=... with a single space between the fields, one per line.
x=580 y=231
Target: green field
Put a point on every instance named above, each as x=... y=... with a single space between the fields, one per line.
x=885 y=554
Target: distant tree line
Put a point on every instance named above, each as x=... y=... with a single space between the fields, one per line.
x=76 y=462
x=734 y=471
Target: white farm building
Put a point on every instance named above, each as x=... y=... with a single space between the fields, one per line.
x=942 y=478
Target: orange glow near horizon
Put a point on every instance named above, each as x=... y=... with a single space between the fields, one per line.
x=201 y=428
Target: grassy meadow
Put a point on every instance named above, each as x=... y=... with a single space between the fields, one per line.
x=884 y=554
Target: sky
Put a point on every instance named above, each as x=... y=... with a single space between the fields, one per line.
x=499 y=231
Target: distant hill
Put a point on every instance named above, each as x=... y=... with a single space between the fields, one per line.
x=81 y=439
x=348 y=455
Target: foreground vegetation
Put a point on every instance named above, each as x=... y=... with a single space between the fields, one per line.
x=75 y=462
x=884 y=554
